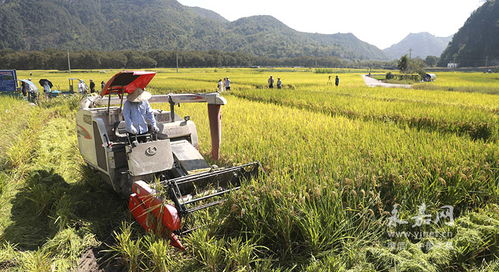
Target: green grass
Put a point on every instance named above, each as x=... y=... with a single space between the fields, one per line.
x=337 y=160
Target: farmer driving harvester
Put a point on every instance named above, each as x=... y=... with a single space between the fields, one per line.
x=136 y=112
x=163 y=174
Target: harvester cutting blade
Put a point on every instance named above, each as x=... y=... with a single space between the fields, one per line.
x=187 y=191
x=154 y=214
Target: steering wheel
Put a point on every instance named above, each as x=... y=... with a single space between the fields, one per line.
x=117 y=128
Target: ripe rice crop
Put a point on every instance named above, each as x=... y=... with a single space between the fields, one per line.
x=464 y=82
x=477 y=123
x=337 y=160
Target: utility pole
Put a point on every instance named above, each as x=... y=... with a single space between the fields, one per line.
x=69 y=64
x=176 y=58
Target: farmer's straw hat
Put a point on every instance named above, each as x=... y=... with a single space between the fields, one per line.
x=139 y=95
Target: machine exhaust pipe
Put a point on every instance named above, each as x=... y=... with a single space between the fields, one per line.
x=215 y=116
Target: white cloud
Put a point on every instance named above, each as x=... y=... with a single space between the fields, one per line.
x=381 y=22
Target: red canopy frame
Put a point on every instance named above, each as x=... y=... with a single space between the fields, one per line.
x=127 y=82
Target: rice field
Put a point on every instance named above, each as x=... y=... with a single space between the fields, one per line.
x=345 y=168
x=464 y=82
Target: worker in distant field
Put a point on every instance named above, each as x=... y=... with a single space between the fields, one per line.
x=32 y=91
x=24 y=88
x=329 y=81
x=92 y=86
x=227 y=84
x=138 y=114
x=271 y=82
x=46 y=87
x=82 y=87
x=220 y=86
x=279 y=83
x=337 y=81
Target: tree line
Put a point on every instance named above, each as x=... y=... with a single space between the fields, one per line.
x=127 y=59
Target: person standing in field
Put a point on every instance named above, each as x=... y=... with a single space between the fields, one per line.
x=271 y=82
x=337 y=81
x=92 y=86
x=227 y=84
x=220 y=86
x=82 y=87
x=329 y=81
x=279 y=83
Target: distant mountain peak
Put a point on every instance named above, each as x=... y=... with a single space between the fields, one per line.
x=421 y=44
x=421 y=34
x=209 y=14
x=261 y=22
x=263 y=19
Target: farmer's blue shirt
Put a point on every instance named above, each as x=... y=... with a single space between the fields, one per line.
x=136 y=114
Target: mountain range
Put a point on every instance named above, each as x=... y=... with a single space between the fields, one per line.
x=418 y=45
x=477 y=42
x=161 y=24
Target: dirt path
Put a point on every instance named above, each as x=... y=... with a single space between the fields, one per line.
x=371 y=82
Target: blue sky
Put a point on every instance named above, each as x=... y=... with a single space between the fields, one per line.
x=380 y=22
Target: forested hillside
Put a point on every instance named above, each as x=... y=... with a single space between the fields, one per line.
x=160 y=24
x=477 y=42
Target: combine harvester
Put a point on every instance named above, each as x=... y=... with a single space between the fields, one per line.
x=165 y=178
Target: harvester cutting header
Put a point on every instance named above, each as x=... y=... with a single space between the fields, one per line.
x=136 y=159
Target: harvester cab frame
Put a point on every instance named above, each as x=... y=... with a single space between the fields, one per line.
x=165 y=177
